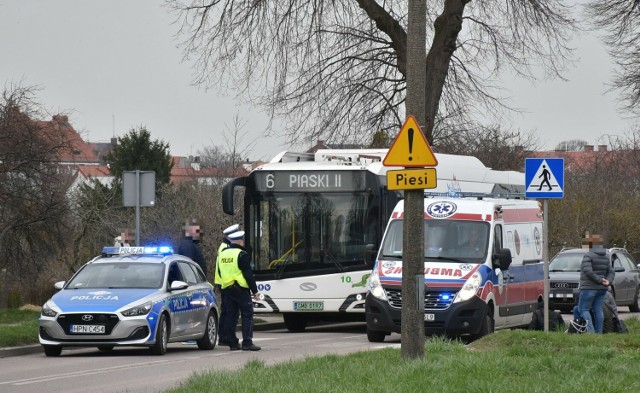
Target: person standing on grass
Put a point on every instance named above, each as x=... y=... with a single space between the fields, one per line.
x=596 y=274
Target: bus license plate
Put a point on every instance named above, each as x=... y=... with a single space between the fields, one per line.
x=91 y=329
x=308 y=306
x=429 y=317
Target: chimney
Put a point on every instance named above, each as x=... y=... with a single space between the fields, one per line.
x=588 y=147
x=602 y=148
x=114 y=141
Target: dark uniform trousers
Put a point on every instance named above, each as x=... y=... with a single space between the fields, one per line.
x=238 y=301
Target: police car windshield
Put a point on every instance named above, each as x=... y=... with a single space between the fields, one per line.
x=119 y=275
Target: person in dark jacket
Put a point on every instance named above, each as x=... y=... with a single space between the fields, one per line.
x=190 y=244
x=555 y=318
x=238 y=283
x=596 y=274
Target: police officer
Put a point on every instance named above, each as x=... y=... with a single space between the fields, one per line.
x=222 y=339
x=238 y=284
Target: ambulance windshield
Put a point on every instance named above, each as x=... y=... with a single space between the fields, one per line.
x=446 y=240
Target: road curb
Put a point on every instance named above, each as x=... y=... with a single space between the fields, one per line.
x=37 y=348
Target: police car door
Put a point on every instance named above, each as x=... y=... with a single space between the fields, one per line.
x=198 y=310
x=179 y=303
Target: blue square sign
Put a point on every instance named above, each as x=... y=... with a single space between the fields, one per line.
x=544 y=177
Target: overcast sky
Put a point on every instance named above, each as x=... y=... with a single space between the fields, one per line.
x=115 y=65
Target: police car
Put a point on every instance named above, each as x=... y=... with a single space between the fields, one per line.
x=131 y=296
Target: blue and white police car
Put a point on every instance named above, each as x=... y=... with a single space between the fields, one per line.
x=131 y=296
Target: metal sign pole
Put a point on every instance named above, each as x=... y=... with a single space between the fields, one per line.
x=137 y=208
x=545 y=257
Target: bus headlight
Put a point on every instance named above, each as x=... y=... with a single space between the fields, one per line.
x=469 y=288
x=376 y=288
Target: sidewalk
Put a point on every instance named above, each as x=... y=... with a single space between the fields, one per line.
x=271 y=322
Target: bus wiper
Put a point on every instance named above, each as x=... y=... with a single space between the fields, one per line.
x=334 y=260
x=284 y=258
x=394 y=256
x=440 y=258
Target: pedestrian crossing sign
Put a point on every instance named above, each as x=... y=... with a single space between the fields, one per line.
x=544 y=177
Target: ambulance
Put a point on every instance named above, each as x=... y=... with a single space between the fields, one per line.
x=483 y=267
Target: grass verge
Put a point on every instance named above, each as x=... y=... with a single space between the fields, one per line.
x=18 y=327
x=507 y=361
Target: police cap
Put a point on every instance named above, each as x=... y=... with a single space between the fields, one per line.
x=239 y=235
x=233 y=228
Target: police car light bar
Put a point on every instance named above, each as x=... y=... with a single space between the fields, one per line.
x=147 y=250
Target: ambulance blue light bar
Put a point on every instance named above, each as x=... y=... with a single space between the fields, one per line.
x=146 y=250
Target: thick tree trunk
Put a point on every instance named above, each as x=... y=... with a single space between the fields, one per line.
x=447 y=26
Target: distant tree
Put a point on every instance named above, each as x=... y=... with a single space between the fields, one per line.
x=572 y=145
x=380 y=140
x=33 y=205
x=336 y=70
x=234 y=150
x=497 y=148
x=620 y=22
x=136 y=151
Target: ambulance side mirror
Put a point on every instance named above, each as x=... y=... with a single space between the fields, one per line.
x=502 y=259
x=369 y=254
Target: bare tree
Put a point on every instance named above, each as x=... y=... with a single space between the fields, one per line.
x=620 y=21
x=336 y=70
x=496 y=148
x=33 y=205
x=572 y=145
x=233 y=152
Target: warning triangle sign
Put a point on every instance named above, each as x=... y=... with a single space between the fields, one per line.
x=410 y=148
x=544 y=181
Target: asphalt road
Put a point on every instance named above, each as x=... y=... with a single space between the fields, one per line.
x=135 y=370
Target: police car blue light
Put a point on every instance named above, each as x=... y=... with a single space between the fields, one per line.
x=131 y=296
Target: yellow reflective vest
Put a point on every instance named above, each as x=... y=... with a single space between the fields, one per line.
x=216 y=274
x=229 y=270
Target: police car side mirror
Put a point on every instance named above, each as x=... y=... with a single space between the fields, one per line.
x=178 y=285
x=59 y=285
x=502 y=259
x=618 y=269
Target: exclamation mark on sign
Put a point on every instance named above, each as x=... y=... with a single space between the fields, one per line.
x=410 y=143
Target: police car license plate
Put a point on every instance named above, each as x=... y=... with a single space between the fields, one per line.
x=429 y=317
x=308 y=306
x=91 y=329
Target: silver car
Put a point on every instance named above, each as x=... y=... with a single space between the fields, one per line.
x=564 y=278
x=131 y=296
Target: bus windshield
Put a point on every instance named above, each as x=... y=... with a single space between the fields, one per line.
x=445 y=240
x=309 y=232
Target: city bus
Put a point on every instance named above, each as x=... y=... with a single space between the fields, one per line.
x=314 y=222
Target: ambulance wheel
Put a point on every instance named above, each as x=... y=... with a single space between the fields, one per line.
x=162 y=337
x=208 y=340
x=488 y=326
x=634 y=307
x=294 y=323
x=52 y=350
x=105 y=347
x=375 y=336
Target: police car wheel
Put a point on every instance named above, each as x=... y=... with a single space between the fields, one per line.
x=208 y=340
x=52 y=350
x=162 y=337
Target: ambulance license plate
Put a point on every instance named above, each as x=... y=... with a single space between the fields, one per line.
x=308 y=306
x=429 y=317
x=90 y=329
